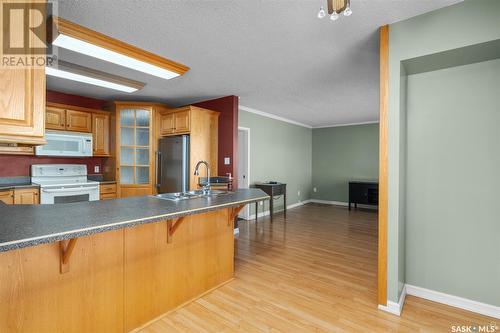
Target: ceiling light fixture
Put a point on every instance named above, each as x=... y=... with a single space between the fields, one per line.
x=71 y=36
x=69 y=71
x=335 y=8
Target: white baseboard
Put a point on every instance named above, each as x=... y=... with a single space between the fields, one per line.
x=455 y=301
x=341 y=203
x=393 y=307
x=266 y=212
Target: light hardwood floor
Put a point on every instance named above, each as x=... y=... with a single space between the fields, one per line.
x=315 y=273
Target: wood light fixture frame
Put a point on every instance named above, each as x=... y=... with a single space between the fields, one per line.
x=383 y=165
x=95 y=74
x=59 y=26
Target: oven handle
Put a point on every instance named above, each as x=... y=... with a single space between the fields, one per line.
x=73 y=189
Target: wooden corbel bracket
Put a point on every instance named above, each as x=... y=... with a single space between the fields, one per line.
x=233 y=212
x=172 y=226
x=65 y=250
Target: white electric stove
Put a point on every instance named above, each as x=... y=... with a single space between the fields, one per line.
x=63 y=183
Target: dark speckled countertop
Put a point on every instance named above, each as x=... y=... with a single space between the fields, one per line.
x=17 y=185
x=30 y=225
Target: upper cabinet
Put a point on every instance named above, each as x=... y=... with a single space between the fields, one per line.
x=100 y=134
x=22 y=106
x=78 y=119
x=22 y=92
x=202 y=127
x=176 y=121
x=68 y=120
x=55 y=119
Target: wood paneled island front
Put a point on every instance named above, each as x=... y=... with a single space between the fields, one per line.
x=76 y=274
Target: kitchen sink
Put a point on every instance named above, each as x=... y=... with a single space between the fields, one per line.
x=191 y=195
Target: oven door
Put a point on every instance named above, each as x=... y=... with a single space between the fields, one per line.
x=65 y=194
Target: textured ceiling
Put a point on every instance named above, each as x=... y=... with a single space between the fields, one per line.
x=275 y=54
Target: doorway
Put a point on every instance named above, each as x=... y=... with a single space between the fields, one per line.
x=244 y=165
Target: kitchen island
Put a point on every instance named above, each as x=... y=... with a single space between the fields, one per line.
x=115 y=265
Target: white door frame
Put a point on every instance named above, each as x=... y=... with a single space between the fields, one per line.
x=245 y=213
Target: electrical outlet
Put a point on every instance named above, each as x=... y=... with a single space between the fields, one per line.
x=298 y=193
x=315 y=189
x=96 y=169
x=227 y=160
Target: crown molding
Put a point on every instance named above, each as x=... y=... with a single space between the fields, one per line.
x=272 y=116
x=349 y=124
x=286 y=120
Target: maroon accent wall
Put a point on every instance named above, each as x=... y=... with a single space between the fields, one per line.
x=82 y=101
x=19 y=165
x=228 y=132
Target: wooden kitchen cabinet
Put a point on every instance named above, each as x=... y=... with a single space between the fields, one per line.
x=107 y=191
x=100 y=134
x=22 y=106
x=202 y=125
x=55 y=119
x=78 y=121
x=26 y=196
x=63 y=119
x=181 y=121
x=7 y=196
x=167 y=125
x=175 y=122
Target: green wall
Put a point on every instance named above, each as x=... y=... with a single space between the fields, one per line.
x=281 y=152
x=457 y=26
x=340 y=154
x=453 y=181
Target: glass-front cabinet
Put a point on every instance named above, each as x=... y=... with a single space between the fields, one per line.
x=134 y=149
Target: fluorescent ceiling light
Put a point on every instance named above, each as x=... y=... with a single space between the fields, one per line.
x=74 y=72
x=79 y=39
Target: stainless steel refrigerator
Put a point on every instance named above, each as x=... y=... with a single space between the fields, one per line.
x=172 y=171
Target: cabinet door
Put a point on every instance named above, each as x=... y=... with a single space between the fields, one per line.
x=55 y=119
x=181 y=122
x=7 y=197
x=134 y=151
x=26 y=196
x=78 y=121
x=22 y=106
x=100 y=134
x=167 y=125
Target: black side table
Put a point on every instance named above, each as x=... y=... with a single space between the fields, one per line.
x=272 y=190
x=363 y=192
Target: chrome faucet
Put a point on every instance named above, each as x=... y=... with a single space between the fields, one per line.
x=206 y=186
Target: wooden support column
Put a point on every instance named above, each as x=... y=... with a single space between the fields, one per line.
x=383 y=167
x=66 y=249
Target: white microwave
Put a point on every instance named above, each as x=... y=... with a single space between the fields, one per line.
x=61 y=143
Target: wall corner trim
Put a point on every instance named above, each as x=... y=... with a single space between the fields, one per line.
x=455 y=301
x=393 y=307
x=272 y=116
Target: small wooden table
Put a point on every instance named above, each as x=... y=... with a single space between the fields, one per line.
x=272 y=190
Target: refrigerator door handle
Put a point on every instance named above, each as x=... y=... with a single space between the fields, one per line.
x=158 y=169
